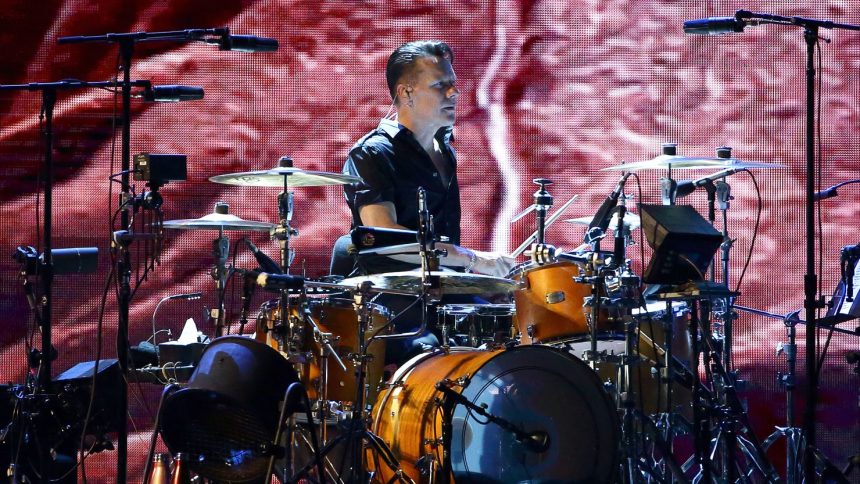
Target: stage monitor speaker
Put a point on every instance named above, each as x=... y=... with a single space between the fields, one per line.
x=684 y=243
x=75 y=386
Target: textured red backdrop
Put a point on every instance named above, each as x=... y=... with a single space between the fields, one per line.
x=556 y=89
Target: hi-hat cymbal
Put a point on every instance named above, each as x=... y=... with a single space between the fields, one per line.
x=452 y=282
x=218 y=221
x=630 y=219
x=663 y=162
x=296 y=177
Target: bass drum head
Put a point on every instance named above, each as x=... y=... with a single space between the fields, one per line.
x=538 y=389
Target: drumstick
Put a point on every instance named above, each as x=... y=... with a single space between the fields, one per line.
x=552 y=218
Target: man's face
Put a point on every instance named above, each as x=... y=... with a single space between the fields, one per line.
x=433 y=93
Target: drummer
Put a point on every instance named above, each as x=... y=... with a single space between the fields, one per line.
x=411 y=148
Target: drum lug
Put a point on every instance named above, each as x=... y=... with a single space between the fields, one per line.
x=386 y=386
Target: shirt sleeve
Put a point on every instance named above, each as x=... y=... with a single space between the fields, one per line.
x=377 y=177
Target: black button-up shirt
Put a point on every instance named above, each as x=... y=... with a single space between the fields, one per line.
x=392 y=165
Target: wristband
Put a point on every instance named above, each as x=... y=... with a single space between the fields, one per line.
x=473 y=258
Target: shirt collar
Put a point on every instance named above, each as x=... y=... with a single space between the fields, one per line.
x=392 y=128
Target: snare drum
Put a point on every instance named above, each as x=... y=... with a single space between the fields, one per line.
x=297 y=339
x=550 y=305
x=476 y=324
x=540 y=390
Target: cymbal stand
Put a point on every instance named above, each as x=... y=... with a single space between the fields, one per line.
x=220 y=272
x=794 y=436
x=794 y=442
x=283 y=232
x=730 y=414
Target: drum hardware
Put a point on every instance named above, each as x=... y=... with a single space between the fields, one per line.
x=358 y=434
x=323 y=340
x=718 y=449
x=549 y=221
x=794 y=436
x=220 y=219
x=536 y=441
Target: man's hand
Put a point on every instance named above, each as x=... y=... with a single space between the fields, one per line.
x=487 y=263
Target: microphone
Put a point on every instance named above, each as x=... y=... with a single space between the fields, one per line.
x=265 y=262
x=618 y=252
x=714 y=26
x=536 y=441
x=172 y=93
x=248 y=287
x=601 y=218
x=276 y=282
x=247 y=43
x=825 y=194
x=686 y=187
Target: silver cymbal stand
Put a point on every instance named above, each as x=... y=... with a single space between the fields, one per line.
x=221 y=271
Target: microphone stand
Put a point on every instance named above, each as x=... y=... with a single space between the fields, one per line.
x=126 y=43
x=811 y=305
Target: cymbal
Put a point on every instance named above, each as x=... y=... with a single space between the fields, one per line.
x=218 y=221
x=296 y=177
x=630 y=219
x=663 y=162
x=452 y=282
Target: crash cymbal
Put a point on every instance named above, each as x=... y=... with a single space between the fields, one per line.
x=452 y=282
x=630 y=219
x=663 y=162
x=218 y=221
x=296 y=177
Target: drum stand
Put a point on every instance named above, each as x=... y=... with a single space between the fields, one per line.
x=639 y=465
x=324 y=340
x=720 y=404
x=795 y=440
x=358 y=435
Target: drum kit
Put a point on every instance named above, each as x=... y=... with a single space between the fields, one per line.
x=571 y=376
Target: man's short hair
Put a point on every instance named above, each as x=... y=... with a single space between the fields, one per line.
x=402 y=60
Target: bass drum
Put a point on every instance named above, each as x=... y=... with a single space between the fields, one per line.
x=536 y=388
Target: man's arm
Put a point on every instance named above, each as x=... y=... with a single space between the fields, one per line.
x=380 y=214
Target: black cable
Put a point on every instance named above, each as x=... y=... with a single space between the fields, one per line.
x=821 y=351
x=641 y=232
x=754 y=236
x=99 y=345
